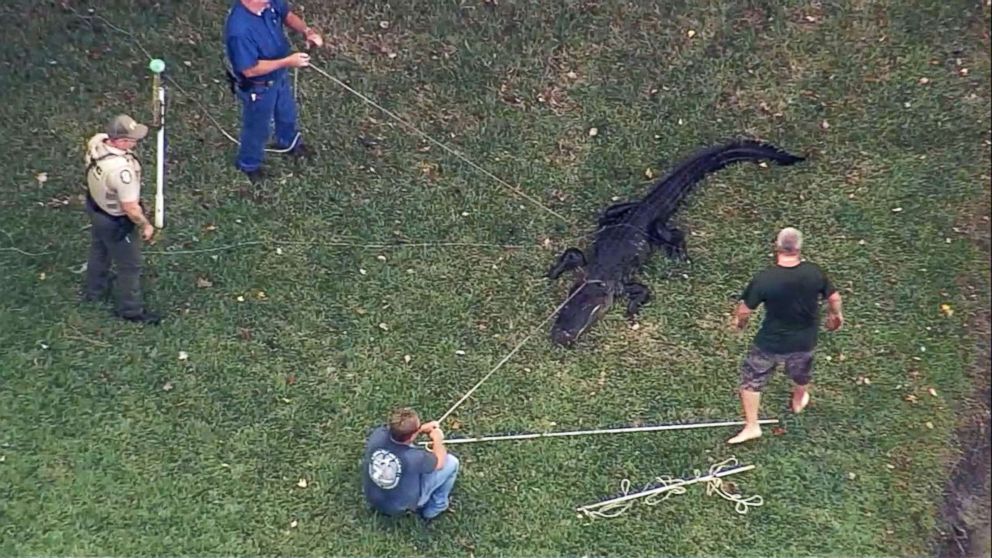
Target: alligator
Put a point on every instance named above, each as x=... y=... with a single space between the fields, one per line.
x=629 y=233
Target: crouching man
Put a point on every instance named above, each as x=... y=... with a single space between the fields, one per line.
x=398 y=477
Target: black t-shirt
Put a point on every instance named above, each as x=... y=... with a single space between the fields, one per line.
x=792 y=306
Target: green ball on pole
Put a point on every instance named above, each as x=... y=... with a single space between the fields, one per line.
x=157 y=66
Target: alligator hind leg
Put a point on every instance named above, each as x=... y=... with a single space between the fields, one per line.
x=614 y=213
x=571 y=258
x=637 y=296
x=671 y=239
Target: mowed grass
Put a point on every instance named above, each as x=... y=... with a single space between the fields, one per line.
x=111 y=444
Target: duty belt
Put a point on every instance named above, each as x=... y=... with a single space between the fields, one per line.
x=238 y=82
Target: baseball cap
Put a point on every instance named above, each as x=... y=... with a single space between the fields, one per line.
x=123 y=126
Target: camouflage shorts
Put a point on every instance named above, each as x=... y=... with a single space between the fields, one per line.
x=758 y=366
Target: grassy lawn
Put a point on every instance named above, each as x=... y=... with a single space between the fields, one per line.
x=112 y=444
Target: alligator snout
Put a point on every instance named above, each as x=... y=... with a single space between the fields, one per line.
x=562 y=338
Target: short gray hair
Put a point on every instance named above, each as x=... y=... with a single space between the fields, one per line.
x=789 y=240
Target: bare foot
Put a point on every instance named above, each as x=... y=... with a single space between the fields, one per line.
x=749 y=433
x=798 y=406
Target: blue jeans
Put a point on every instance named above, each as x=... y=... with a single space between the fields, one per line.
x=261 y=104
x=435 y=488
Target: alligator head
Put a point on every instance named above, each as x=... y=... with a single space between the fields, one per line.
x=581 y=312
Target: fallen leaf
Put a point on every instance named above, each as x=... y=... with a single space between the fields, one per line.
x=635 y=327
x=572 y=75
x=778 y=431
x=210 y=227
x=932 y=392
x=302 y=483
x=947 y=310
x=889 y=466
x=244 y=333
x=911 y=398
x=183 y=355
x=203 y=282
x=929 y=425
x=260 y=294
x=291 y=379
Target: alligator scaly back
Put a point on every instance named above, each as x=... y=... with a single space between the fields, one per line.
x=664 y=198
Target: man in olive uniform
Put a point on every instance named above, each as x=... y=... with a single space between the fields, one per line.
x=114 y=206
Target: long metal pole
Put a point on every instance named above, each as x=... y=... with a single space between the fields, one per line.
x=666 y=488
x=158 y=66
x=684 y=426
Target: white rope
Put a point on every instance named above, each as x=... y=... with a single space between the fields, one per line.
x=656 y=428
x=667 y=486
x=450 y=150
x=508 y=356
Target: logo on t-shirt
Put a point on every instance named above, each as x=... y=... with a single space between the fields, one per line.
x=385 y=469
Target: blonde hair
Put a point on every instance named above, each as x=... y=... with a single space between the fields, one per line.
x=403 y=423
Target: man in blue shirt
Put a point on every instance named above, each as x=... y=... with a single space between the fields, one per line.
x=260 y=55
x=398 y=477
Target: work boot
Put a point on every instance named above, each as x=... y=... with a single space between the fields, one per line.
x=145 y=317
x=256 y=176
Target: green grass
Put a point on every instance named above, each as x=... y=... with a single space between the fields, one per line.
x=98 y=458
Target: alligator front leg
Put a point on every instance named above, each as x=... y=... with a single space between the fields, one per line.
x=571 y=258
x=671 y=239
x=637 y=296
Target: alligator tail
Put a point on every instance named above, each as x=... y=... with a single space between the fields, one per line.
x=671 y=189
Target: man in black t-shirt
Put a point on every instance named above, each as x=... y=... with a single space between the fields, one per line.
x=790 y=291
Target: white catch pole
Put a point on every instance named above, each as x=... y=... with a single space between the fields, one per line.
x=666 y=488
x=158 y=107
x=684 y=426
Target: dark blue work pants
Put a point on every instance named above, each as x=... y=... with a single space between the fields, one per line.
x=261 y=104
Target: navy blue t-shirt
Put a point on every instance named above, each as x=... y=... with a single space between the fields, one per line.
x=251 y=37
x=391 y=472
